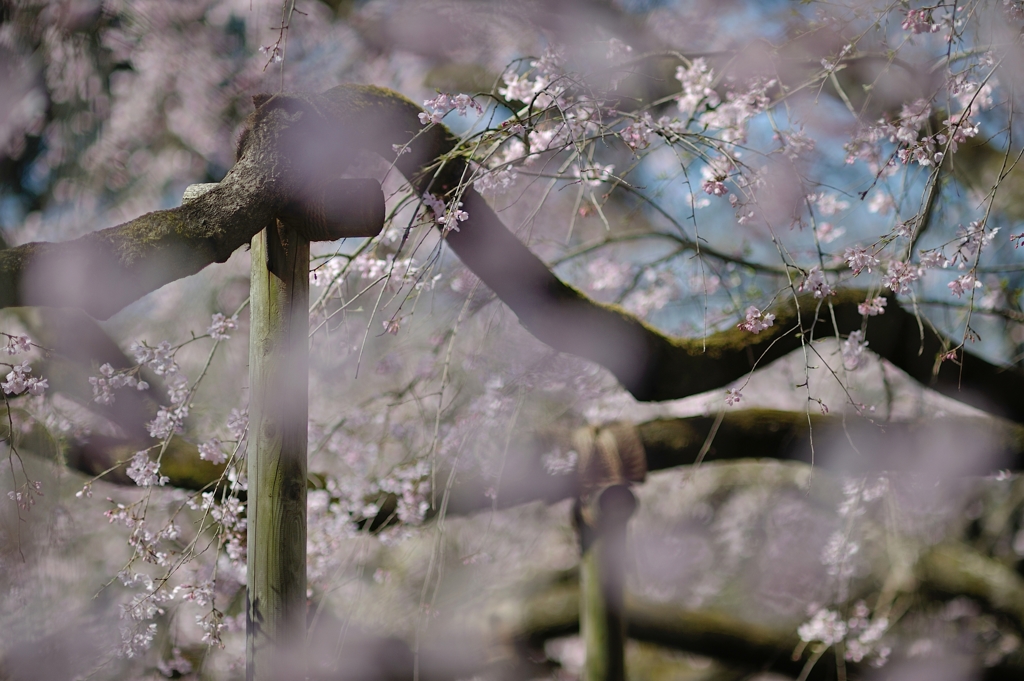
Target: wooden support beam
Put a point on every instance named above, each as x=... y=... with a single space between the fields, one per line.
x=326 y=210
x=276 y=514
x=602 y=526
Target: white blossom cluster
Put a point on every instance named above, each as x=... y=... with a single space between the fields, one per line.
x=25 y=496
x=103 y=386
x=160 y=359
x=238 y=423
x=144 y=472
x=816 y=282
x=873 y=307
x=213 y=452
x=411 y=484
x=449 y=216
x=861 y=634
x=19 y=381
x=859 y=259
x=444 y=103
x=756 y=321
x=17 y=344
x=221 y=325
x=228 y=512
x=853 y=348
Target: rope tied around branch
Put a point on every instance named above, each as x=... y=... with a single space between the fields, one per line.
x=611 y=454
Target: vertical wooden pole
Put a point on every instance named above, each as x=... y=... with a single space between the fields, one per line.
x=278 y=383
x=602 y=525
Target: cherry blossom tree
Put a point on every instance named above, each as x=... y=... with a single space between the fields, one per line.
x=623 y=243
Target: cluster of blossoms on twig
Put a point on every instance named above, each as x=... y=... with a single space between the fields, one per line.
x=449 y=216
x=908 y=131
x=440 y=106
x=16 y=344
x=366 y=268
x=221 y=326
x=859 y=260
x=920 y=21
x=19 y=379
x=861 y=634
x=815 y=282
x=873 y=307
x=900 y=275
x=145 y=472
x=25 y=496
x=103 y=386
x=853 y=350
x=756 y=321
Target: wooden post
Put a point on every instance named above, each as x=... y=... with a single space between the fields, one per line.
x=276 y=504
x=610 y=458
x=278 y=412
x=602 y=526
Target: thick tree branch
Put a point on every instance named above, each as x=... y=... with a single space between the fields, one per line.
x=287 y=168
x=109 y=456
x=850 y=448
x=104 y=271
x=950 y=570
x=954 y=569
x=854 y=447
x=552 y=610
x=649 y=364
